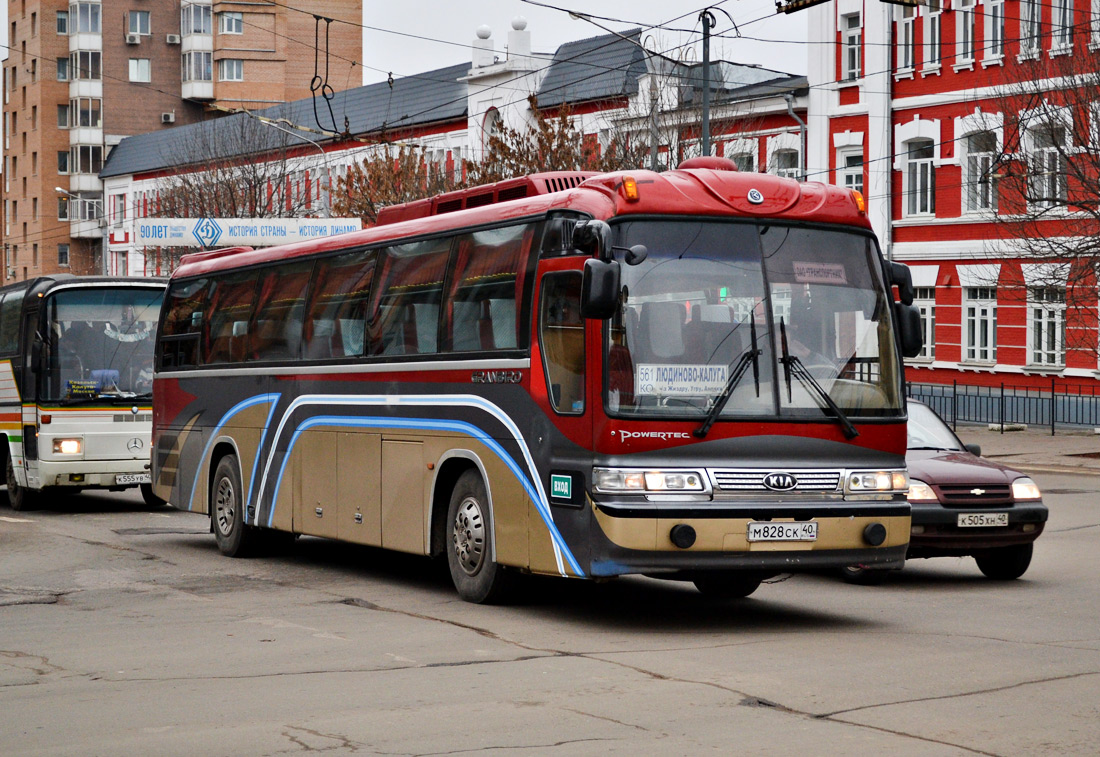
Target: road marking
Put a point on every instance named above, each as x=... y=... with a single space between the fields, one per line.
x=15 y=520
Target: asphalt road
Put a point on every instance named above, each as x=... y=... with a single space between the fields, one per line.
x=124 y=632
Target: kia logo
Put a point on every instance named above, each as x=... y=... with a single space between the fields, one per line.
x=780 y=482
x=134 y=444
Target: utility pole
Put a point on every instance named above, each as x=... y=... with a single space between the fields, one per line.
x=708 y=21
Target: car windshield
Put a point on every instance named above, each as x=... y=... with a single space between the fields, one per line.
x=787 y=321
x=928 y=431
x=101 y=343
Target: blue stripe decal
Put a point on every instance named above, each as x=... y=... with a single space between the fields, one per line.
x=435 y=425
x=256 y=460
x=259 y=398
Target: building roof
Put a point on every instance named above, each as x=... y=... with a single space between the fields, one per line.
x=411 y=101
x=598 y=68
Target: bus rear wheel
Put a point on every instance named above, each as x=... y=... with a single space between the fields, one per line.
x=19 y=497
x=727 y=584
x=234 y=537
x=152 y=500
x=470 y=544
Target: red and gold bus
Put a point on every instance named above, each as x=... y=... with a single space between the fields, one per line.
x=693 y=375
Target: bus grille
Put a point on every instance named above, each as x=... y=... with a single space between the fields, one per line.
x=752 y=480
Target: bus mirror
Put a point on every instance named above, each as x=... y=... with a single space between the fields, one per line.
x=36 y=354
x=636 y=254
x=903 y=280
x=593 y=238
x=907 y=318
x=600 y=289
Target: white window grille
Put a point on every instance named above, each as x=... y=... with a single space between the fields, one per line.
x=994 y=29
x=850 y=169
x=1047 y=326
x=924 y=298
x=981 y=325
x=853 y=38
x=920 y=178
x=979 y=181
x=964 y=32
x=907 y=40
x=1030 y=17
x=1048 y=186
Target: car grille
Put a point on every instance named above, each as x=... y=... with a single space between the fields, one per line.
x=750 y=480
x=975 y=495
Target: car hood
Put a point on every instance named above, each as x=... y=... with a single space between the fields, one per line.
x=956 y=467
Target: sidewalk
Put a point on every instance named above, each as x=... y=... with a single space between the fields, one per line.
x=1034 y=448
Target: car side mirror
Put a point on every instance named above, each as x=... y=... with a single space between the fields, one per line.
x=974 y=449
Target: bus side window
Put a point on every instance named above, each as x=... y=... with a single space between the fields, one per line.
x=280 y=309
x=337 y=314
x=179 y=340
x=562 y=335
x=405 y=312
x=489 y=273
x=225 y=337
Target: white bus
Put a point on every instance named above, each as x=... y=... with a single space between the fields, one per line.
x=76 y=373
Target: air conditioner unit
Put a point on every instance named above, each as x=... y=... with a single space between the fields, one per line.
x=133 y=39
x=172 y=39
x=167 y=118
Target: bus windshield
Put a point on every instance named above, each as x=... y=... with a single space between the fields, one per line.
x=785 y=321
x=100 y=343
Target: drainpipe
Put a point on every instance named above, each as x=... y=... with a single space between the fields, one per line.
x=801 y=136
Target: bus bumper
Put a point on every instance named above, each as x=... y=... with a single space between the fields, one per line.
x=93 y=474
x=647 y=545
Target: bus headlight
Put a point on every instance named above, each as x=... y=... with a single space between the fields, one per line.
x=632 y=481
x=1025 y=488
x=876 y=482
x=67 y=446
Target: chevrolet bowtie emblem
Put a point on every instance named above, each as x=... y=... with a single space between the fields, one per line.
x=977 y=492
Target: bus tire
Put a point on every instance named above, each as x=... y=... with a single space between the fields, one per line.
x=469 y=544
x=731 y=584
x=235 y=539
x=1005 y=563
x=151 y=499
x=861 y=576
x=19 y=497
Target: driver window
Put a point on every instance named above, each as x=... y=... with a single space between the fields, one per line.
x=562 y=334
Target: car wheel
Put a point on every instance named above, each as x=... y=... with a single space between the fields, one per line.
x=234 y=537
x=470 y=544
x=861 y=576
x=19 y=497
x=1005 y=563
x=151 y=499
x=727 y=584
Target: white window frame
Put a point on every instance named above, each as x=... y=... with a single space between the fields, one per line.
x=141 y=70
x=1047 y=165
x=1061 y=27
x=980 y=324
x=785 y=154
x=1046 y=326
x=964 y=32
x=1094 y=25
x=139 y=16
x=851 y=29
x=198 y=62
x=979 y=181
x=849 y=169
x=924 y=299
x=231 y=22
x=919 y=180
x=994 y=47
x=906 y=56
x=231 y=69
x=1030 y=30
x=933 y=36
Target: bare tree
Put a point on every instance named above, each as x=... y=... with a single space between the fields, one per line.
x=1041 y=186
x=239 y=167
x=389 y=177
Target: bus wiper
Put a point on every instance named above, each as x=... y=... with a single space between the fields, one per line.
x=792 y=366
x=749 y=356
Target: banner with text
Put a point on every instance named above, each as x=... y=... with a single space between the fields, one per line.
x=229 y=232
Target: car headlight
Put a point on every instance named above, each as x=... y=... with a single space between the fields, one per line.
x=1025 y=488
x=877 y=481
x=921 y=492
x=67 y=446
x=633 y=481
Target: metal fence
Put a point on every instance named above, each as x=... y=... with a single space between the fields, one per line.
x=1064 y=405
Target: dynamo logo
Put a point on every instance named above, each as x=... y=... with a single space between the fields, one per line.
x=208 y=232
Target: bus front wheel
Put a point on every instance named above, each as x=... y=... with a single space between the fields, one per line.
x=234 y=537
x=19 y=497
x=470 y=544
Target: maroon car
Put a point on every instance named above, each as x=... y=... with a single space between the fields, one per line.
x=964 y=505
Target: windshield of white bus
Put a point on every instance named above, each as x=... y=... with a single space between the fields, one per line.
x=100 y=343
x=761 y=312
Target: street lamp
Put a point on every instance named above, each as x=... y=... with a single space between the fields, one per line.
x=276 y=124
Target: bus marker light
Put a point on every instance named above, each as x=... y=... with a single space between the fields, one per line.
x=47 y=418
x=861 y=204
x=682 y=535
x=630 y=189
